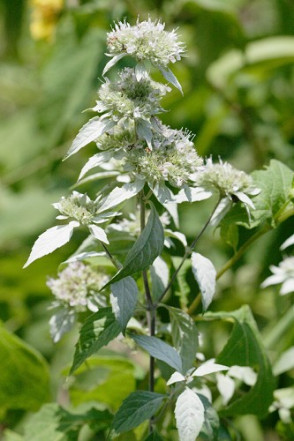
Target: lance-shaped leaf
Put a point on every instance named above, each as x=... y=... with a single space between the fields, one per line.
x=245 y=348
x=159 y=272
x=52 y=239
x=171 y=78
x=88 y=133
x=112 y=62
x=144 y=131
x=160 y=350
x=98 y=233
x=189 y=413
x=138 y=407
x=94 y=161
x=209 y=367
x=98 y=330
x=123 y=299
x=184 y=335
x=205 y=275
x=121 y=194
x=146 y=248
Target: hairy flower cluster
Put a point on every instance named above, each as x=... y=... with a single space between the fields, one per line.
x=173 y=158
x=146 y=40
x=77 y=206
x=129 y=97
x=77 y=287
x=227 y=180
x=284 y=274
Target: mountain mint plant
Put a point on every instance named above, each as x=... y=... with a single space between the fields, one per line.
x=155 y=168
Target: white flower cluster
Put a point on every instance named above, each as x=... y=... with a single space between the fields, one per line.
x=228 y=181
x=129 y=97
x=77 y=206
x=146 y=40
x=282 y=274
x=78 y=287
x=173 y=158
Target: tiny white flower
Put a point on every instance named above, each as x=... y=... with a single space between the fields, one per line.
x=282 y=274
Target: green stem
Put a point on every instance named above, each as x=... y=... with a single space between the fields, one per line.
x=117 y=264
x=188 y=252
x=242 y=250
x=151 y=308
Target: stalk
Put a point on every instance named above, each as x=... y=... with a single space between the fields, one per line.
x=151 y=308
x=188 y=252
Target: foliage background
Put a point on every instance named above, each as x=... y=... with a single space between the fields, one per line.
x=238 y=83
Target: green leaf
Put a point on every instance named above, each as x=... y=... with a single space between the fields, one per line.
x=98 y=330
x=245 y=348
x=121 y=194
x=184 y=335
x=53 y=423
x=205 y=275
x=123 y=299
x=138 y=407
x=146 y=248
x=24 y=375
x=285 y=362
x=104 y=379
x=189 y=413
x=50 y=240
x=275 y=183
x=258 y=56
x=9 y=435
x=94 y=128
x=159 y=273
x=154 y=436
x=210 y=428
x=171 y=78
x=160 y=350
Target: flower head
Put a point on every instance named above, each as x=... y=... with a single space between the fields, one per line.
x=228 y=181
x=77 y=287
x=173 y=158
x=77 y=206
x=129 y=97
x=147 y=40
x=284 y=274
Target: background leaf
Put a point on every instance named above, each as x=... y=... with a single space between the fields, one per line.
x=24 y=374
x=244 y=348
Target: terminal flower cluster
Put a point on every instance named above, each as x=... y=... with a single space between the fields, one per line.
x=147 y=40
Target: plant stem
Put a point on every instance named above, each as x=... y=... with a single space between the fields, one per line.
x=151 y=308
x=113 y=260
x=188 y=252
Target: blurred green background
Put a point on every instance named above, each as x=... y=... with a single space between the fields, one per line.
x=238 y=82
